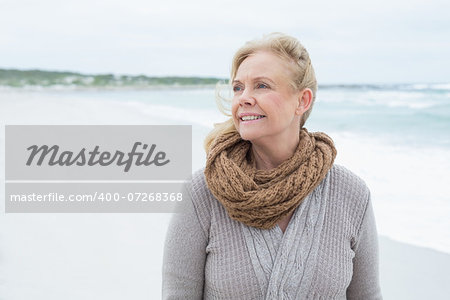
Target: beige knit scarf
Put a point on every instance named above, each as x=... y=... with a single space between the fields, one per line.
x=260 y=198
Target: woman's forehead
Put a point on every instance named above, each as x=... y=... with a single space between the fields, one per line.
x=263 y=64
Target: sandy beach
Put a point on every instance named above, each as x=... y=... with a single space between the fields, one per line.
x=410 y=272
x=119 y=256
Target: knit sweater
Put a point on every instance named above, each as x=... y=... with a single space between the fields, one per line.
x=328 y=251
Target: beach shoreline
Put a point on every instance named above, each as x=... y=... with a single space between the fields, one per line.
x=48 y=255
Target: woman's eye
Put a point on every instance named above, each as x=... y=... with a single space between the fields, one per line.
x=262 y=86
x=237 y=88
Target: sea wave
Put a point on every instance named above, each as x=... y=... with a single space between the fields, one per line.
x=429 y=87
x=386 y=98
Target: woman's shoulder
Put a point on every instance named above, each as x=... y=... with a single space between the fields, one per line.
x=347 y=193
x=199 y=186
x=201 y=197
x=345 y=181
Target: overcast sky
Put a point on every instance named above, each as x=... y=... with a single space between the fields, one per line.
x=350 y=41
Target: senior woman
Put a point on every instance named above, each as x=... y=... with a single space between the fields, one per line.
x=271 y=216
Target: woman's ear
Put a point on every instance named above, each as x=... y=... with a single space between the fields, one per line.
x=304 y=101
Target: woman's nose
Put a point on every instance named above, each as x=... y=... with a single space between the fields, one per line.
x=246 y=98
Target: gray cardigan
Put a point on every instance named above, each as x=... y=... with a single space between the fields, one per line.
x=328 y=251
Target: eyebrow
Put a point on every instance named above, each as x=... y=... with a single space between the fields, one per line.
x=256 y=79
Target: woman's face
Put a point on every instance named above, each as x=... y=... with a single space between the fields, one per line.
x=265 y=108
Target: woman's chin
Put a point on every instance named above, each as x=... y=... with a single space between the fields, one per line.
x=255 y=139
x=248 y=135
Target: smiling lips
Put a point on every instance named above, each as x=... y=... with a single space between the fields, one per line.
x=250 y=117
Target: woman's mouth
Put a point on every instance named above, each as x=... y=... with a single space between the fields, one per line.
x=251 y=118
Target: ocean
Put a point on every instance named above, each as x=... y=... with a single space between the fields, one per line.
x=395 y=137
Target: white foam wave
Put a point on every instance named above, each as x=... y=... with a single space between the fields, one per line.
x=433 y=86
x=410 y=104
x=409 y=187
x=380 y=98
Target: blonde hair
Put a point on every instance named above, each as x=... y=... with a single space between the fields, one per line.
x=287 y=48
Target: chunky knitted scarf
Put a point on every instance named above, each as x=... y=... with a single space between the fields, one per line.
x=260 y=198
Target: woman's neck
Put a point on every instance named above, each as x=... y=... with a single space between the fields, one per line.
x=271 y=156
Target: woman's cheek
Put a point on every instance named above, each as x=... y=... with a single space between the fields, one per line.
x=234 y=108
